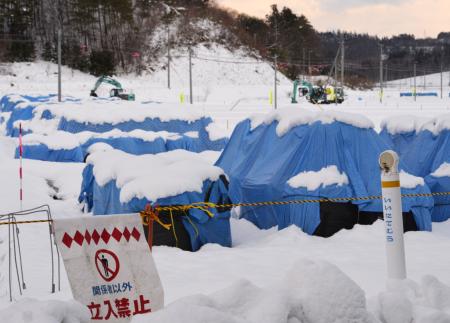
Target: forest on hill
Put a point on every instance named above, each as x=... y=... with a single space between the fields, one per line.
x=113 y=36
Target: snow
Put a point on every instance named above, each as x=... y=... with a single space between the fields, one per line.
x=410 y=181
x=53 y=311
x=403 y=124
x=442 y=171
x=312 y=180
x=66 y=140
x=153 y=176
x=259 y=259
x=95 y=111
x=312 y=291
x=291 y=117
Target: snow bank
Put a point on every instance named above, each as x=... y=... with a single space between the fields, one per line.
x=153 y=176
x=410 y=181
x=442 y=171
x=312 y=180
x=291 y=117
x=34 y=311
x=403 y=124
x=313 y=291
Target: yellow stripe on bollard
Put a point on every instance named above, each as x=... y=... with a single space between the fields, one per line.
x=390 y=184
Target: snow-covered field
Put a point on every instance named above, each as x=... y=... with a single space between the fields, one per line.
x=268 y=276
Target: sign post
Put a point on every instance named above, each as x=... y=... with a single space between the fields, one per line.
x=393 y=215
x=110 y=266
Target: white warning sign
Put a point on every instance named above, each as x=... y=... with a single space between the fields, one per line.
x=109 y=265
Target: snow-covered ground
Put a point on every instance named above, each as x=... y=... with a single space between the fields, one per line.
x=268 y=276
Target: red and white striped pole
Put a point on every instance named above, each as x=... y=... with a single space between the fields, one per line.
x=20 y=166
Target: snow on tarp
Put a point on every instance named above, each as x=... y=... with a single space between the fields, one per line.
x=400 y=131
x=116 y=182
x=261 y=157
x=72 y=147
x=311 y=180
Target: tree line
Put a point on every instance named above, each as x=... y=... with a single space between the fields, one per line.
x=110 y=36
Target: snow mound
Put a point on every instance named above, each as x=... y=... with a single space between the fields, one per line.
x=291 y=117
x=153 y=176
x=312 y=180
x=403 y=124
x=34 y=311
x=311 y=292
x=410 y=181
x=442 y=171
x=407 y=301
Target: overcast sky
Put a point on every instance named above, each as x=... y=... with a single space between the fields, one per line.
x=376 y=17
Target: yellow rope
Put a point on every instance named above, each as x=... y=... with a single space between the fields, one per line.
x=173 y=229
x=207 y=206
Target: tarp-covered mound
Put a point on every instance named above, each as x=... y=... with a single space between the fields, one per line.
x=101 y=116
x=429 y=157
x=295 y=154
x=63 y=131
x=64 y=146
x=115 y=182
x=399 y=132
x=20 y=108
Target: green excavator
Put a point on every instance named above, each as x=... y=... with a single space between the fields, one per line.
x=317 y=94
x=117 y=91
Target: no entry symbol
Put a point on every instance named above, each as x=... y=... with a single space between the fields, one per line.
x=107 y=264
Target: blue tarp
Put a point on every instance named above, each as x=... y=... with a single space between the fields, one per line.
x=418 y=94
x=149 y=124
x=42 y=152
x=259 y=163
x=400 y=142
x=202 y=229
x=425 y=155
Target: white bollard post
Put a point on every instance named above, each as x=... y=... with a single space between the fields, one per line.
x=393 y=215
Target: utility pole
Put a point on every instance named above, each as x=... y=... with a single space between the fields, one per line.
x=168 y=57
x=381 y=73
x=415 y=87
x=190 y=75
x=304 y=63
x=442 y=68
x=385 y=73
x=59 y=64
x=342 y=61
x=424 y=80
x=275 y=85
x=309 y=65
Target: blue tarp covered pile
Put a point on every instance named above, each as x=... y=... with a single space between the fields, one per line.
x=115 y=182
x=262 y=156
x=429 y=157
x=21 y=108
x=62 y=146
x=102 y=119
